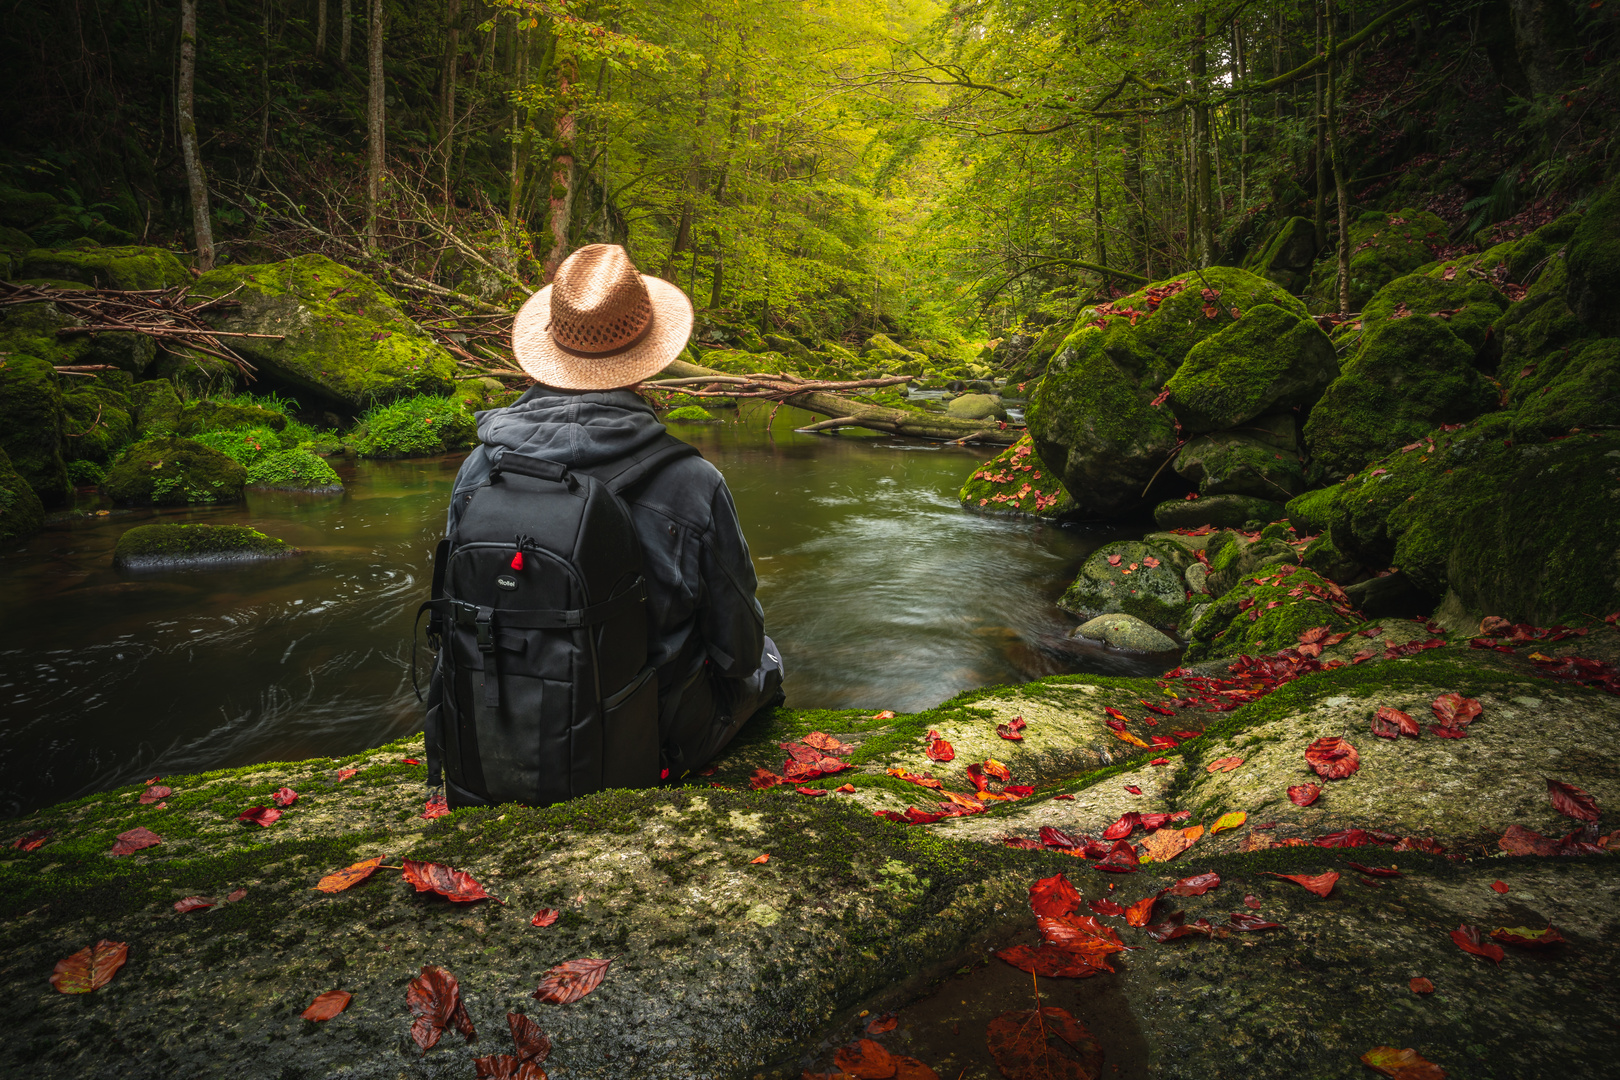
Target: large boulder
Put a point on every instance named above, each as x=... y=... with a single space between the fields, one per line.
x=155 y=407
x=1289 y=256
x=1221 y=511
x=32 y=329
x=1017 y=481
x=1407 y=377
x=1131 y=578
x=21 y=513
x=1465 y=304
x=1272 y=358
x=343 y=339
x=1271 y=615
x=97 y=417
x=1093 y=415
x=109 y=267
x=1227 y=463
x=177 y=546
x=1383 y=247
x=1310 y=513
x=32 y=423
x=1594 y=264
x=170 y=471
x=1570 y=390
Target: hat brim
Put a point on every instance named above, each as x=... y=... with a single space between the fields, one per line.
x=539 y=354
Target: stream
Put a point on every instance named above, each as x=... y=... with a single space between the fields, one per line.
x=881 y=591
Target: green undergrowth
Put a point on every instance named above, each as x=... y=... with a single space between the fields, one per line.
x=413 y=427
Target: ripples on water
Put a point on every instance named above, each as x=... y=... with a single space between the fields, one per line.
x=880 y=590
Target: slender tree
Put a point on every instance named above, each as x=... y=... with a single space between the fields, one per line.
x=375 y=108
x=346 y=17
x=320 y=29
x=562 y=171
x=187 y=122
x=1340 y=185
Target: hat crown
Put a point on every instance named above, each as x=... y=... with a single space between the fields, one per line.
x=599 y=303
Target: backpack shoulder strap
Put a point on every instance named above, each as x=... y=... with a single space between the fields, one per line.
x=628 y=472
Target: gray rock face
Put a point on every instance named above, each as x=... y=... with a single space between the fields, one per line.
x=1125 y=632
x=976 y=407
x=1130 y=578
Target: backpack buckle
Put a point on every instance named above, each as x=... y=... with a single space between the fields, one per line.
x=483 y=621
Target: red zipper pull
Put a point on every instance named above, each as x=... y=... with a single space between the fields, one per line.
x=517 y=561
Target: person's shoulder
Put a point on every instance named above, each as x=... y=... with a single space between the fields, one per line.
x=685 y=488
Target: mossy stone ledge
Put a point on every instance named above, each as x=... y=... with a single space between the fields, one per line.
x=178 y=546
x=170 y=471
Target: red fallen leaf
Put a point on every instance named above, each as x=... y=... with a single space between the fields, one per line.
x=1048 y=1044
x=1105 y=906
x=1010 y=733
x=1442 y=732
x=570 y=981
x=1019 y=843
x=812 y=792
x=435 y=807
x=969 y=804
x=764 y=778
x=154 y=780
x=91 y=968
x=1053 y=896
x=448 y=882
x=1225 y=764
x=1115 y=714
x=765 y=858
x=1251 y=901
x=327 y=1005
x=260 y=815
x=924 y=781
x=344 y=774
x=1139 y=913
x=1113 y=560
x=349 y=876
x=1521 y=841
x=805 y=755
x=1057 y=838
x=194 y=903
x=1320 y=884
x=529 y=1041
x=1332 y=758
x=1242 y=920
x=1401 y=1064
x=829 y=744
x=976 y=775
x=1343 y=838
x=434 y=998
x=1419 y=843
x=1197 y=885
x=285 y=797
x=410 y=761
x=884 y=715
x=236 y=894
x=1070 y=798
x=1049 y=961
x=914 y=816
x=135 y=840
x=940 y=750
x=1188 y=734
x=1081 y=935
x=1121 y=860
x=1160 y=709
x=1454 y=710
x=846 y=789
x=880 y=1025
x=997 y=771
x=1303 y=794
x=544 y=917
x=1571 y=801
x=1469 y=941
x=1133 y=789
x=1376 y=871
x=33 y=841
x=1392 y=723
x=1314 y=634
x=1421 y=985
x=1499 y=886
x=1174 y=926
x=155 y=793
x=797 y=772
x=1162 y=742
x=1122 y=828
x=1524 y=937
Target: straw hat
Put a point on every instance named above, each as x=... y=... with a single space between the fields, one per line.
x=600 y=325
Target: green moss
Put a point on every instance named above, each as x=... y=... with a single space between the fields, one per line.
x=691 y=414
x=149 y=545
x=1540 y=329
x=1226 y=630
x=171 y=471
x=243 y=446
x=1227 y=463
x=413 y=427
x=344 y=339
x=1287 y=259
x=155 y=406
x=1594 y=264
x=1309 y=512
x=197 y=417
x=96 y=418
x=1473 y=305
x=1270 y=359
x=293 y=470
x=1156 y=594
x=1407 y=377
x=1383 y=247
x=1017 y=480
x=31 y=425
x=1577 y=390
x=1221 y=511
x=110 y=267
x=21 y=513
x=82 y=473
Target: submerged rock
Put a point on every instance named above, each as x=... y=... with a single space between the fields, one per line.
x=170 y=471
x=169 y=547
x=1125 y=632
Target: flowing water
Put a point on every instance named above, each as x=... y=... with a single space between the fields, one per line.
x=881 y=591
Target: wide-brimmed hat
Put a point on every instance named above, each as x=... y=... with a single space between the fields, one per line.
x=600 y=324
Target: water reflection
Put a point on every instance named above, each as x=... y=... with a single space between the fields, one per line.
x=880 y=590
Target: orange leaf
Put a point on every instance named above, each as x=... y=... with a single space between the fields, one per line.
x=879 y=1025
x=1404 y=1064
x=544 y=917
x=1421 y=985
x=884 y=715
x=1193 y=832
x=1228 y=821
x=866 y=1060
x=940 y=750
x=194 y=903
x=1046 y=1044
x=1165 y=844
x=436 y=806
x=1128 y=737
x=763 y=858
x=1333 y=758
x=448 y=882
x=348 y=876
x=570 y=981
x=1141 y=912
x=327 y=1005
x=1320 y=884
x=90 y=968
x=1225 y=764
x=344 y=774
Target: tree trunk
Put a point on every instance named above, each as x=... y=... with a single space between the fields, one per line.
x=562 y=175
x=522 y=126
x=1340 y=187
x=320 y=29
x=1136 y=210
x=447 y=114
x=264 y=98
x=1204 y=247
x=1320 y=215
x=719 y=271
x=187 y=122
x=1096 y=196
x=346 y=16
x=375 y=108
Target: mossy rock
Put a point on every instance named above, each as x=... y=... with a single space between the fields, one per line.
x=96 y=412
x=1226 y=629
x=32 y=329
x=1017 y=481
x=344 y=339
x=1125 y=632
x=1323 y=556
x=155 y=406
x=789 y=347
x=1238 y=561
x=891 y=355
x=1221 y=511
x=1310 y=513
x=294 y=470
x=976 y=407
x=171 y=471
x=25 y=209
x=245 y=446
x=1288 y=258
x=414 y=427
x=109 y=267
x=1473 y=307
x=1575 y=391
x=197 y=417
x=1270 y=359
x=691 y=414
x=151 y=547
x=1226 y=463
x=1408 y=376
x=1145 y=582
x=1539 y=329
x=21 y=512
x=1594 y=264
x=32 y=423
x=1383 y=247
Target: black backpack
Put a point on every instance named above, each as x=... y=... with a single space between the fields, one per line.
x=542 y=691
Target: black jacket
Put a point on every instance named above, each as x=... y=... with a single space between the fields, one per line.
x=700 y=579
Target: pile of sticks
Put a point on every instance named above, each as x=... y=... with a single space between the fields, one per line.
x=165 y=314
x=767 y=386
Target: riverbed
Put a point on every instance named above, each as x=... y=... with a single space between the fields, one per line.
x=881 y=590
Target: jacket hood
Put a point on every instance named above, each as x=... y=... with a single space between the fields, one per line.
x=573 y=429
